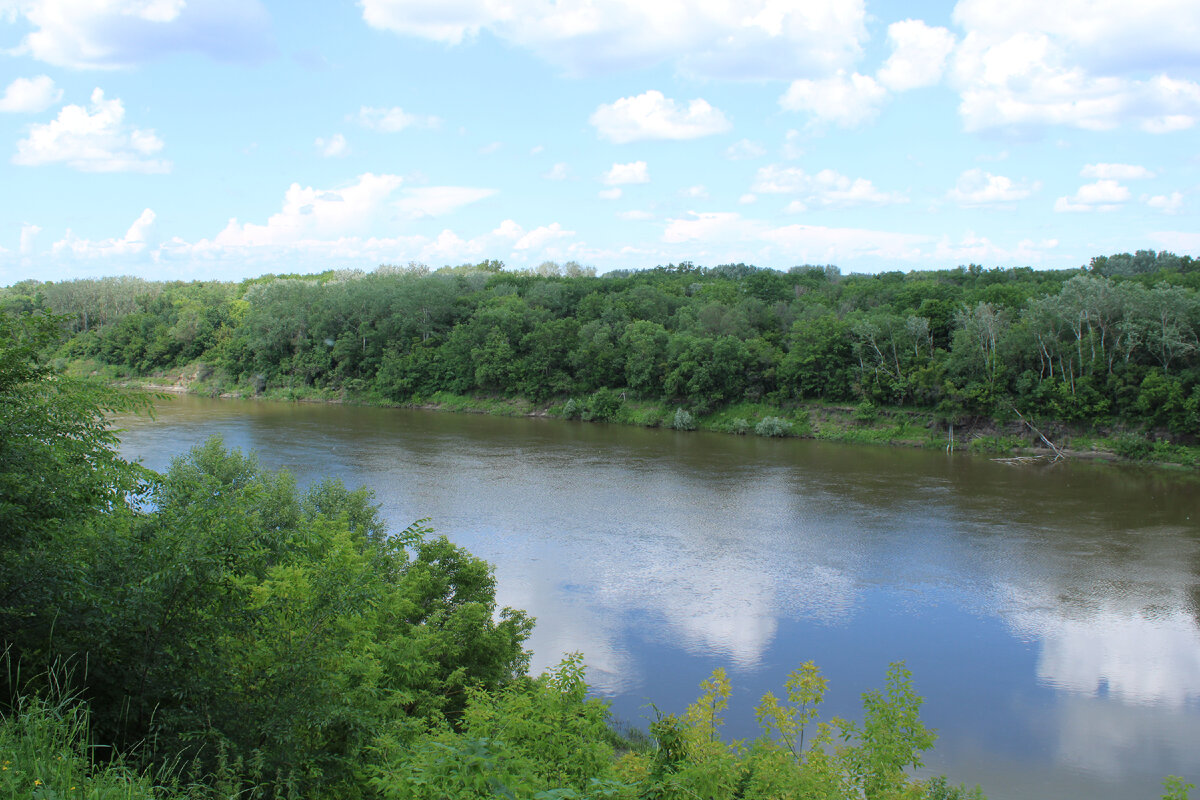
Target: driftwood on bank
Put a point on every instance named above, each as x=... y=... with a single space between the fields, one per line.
x=1058 y=454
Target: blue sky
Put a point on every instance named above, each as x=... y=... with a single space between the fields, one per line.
x=182 y=139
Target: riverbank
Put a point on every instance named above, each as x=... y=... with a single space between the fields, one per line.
x=1012 y=439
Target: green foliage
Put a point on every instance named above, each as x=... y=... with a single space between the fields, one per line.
x=773 y=426
x=683 y=420
x=535 y=736
x=1116 y=343
x=601 y=406
x=1174 y=788
x=866 y=412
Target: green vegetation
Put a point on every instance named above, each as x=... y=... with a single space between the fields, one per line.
x=1107 y=350
x=213 y=632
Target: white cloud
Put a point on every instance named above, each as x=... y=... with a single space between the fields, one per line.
x=747 y=199
x=744 y=149
x=30 y=95
x=611 y=194
x=436 y=201
x=1107 y=36
x=975 y=249
x=633 y=172
x=537 y=238
x=918 y=57
x=333 y=147
x=1079 y=63
x=95 y=140
x=843 y=100
x=134 y=241
x=1166 y=203
x=310 y=214
x=978 y=188
x=394 y=120
x=86 y=34
x=650 y=115
x=490 y=148
x=697 y=192
x=712 y=226
x=744 y=39
x=1120 y=172
x=634 y=215
x=1103 y=195
x=826 y=188
x=1168 y=123
x=559 y=172
x=28 y=235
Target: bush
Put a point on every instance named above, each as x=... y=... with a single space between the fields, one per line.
x=602 y=405
x=866 y=412
x=683 y=421
x=1131 y=446
x=571 y=409
x=773 y=426
x=740 y=426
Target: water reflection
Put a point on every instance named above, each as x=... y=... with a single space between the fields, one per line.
x=1048 y=614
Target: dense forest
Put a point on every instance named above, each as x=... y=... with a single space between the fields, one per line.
x=1112 y=343
x=213 y=632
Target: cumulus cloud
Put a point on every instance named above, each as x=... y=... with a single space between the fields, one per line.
x=436 y=201
x=1166 y=203
x=30 y=95
x=919 y=54
x=978 y=188
x=826 y=188
x=610 y=194
x=394 y=120
x=843 y=100
x=333 y=147
x=85 y=34
x=633 y=172
x=134 y=241
x=310 y=214
x=1078 y=63
x=1120 y=172
x=650 y=115
x=1103 y=195
x=744 y=39
x=559 y=172
x=94 y=139
x=634 y=215
x=698 y=192
x=539 y=237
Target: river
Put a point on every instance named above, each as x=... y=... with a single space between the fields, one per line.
x=1050 y=614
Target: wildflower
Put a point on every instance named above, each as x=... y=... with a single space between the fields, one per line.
x=37 y=783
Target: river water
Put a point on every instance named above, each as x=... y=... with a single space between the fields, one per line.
x=1050 y=614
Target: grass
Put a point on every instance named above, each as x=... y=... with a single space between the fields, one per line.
x=44 y=755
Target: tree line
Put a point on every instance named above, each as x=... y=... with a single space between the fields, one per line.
x=1114 y=341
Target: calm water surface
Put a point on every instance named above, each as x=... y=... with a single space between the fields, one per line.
x=1050 y=615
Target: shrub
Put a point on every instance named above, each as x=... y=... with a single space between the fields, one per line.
x=773 y=426
x=570 y=409
x=1131 y=446
x=602 y=405
x=866 y=412
x=740 y=426
x=683 y=421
